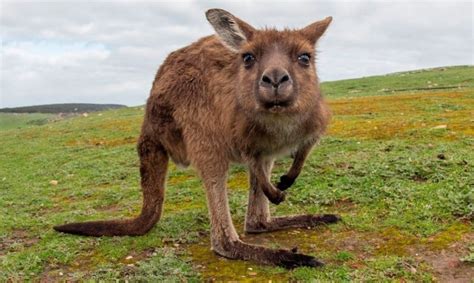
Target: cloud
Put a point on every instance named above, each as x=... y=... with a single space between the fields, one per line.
x=108 y=52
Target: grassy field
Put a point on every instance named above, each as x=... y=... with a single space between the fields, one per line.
x=21 y=120
x=437 y=79
x=397 y=166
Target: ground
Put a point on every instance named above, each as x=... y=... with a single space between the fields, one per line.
x=397 y=165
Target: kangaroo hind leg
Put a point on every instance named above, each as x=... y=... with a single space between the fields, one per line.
x=224 y=238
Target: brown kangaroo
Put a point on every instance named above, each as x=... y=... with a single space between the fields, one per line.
x=244 y=96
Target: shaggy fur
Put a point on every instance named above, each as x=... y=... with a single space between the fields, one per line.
x=244 y=96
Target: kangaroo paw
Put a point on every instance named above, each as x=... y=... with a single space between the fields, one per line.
x=285 y=182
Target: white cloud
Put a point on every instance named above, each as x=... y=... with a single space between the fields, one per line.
x=108 y=52
x=47 y=54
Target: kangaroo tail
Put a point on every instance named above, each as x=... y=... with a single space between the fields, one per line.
x=153 y=167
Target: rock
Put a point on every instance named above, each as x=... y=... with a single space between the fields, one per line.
x=252 y=273
x=53 y=182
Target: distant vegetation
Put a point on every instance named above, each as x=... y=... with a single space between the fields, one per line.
x=62 y=108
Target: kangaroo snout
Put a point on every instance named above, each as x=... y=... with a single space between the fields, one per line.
x=275 y=78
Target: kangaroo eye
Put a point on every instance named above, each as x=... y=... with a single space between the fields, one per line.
x=248 y=59
x=304 y=59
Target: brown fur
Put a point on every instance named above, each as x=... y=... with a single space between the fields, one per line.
x=208 y=109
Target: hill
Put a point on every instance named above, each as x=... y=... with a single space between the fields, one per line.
x=435 y=79
x=397 y=166
x=62 y=108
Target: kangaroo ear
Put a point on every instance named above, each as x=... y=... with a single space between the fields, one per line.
x=232 y=31
x=315 y=30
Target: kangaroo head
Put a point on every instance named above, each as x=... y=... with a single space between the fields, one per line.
x=276 y=69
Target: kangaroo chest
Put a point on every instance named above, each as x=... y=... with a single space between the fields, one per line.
x=273 y=138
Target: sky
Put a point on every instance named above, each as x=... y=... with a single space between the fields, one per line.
x=109 y=51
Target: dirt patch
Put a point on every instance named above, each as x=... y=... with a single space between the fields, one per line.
x=16 y=240
x=102 y=142
x=419 y=178
x=448 y=268
x=342 y=205
x=446 y=263
x=109 y=208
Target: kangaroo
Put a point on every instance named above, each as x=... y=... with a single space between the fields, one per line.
x=244 y=95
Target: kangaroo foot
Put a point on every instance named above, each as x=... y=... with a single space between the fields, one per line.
x=279 y=257
x=298 y=221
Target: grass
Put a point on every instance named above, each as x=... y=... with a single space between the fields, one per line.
x=17 y=121
x=437 y=79
x=397 y=167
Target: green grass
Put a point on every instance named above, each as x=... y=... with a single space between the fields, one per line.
x=10 y=121
x=440 y=79
x=402 y=184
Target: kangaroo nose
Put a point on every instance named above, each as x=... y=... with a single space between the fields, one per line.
x=275 y=77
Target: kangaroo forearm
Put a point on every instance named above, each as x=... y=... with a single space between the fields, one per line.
x=289 y=178
x=273 y=194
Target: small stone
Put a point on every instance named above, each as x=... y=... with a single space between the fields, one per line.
x=129 y=257
x=250 y=268
x=61 y=274
x=53 y=182
x=252 y=273
x=130 y=265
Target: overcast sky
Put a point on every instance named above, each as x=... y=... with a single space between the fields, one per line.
x=108 y=52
